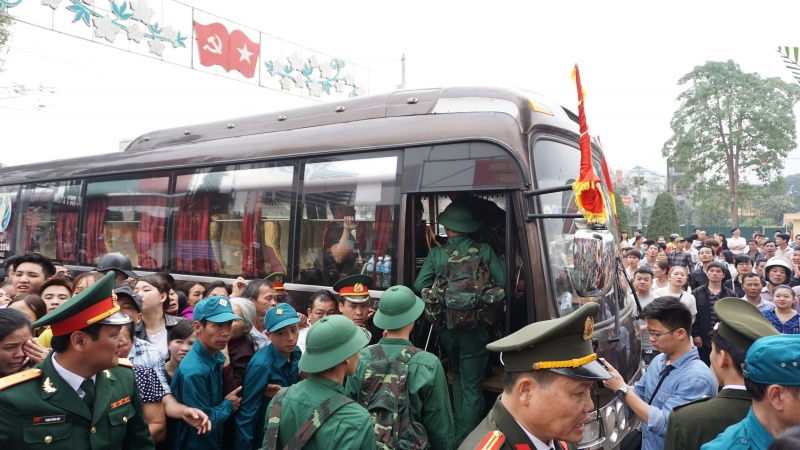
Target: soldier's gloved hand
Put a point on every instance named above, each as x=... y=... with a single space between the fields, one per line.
x=234 y=397
x=197 y=419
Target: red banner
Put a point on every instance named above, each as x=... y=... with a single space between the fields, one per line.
x=231 y=51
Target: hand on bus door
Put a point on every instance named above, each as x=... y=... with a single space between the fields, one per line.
x=616 y=381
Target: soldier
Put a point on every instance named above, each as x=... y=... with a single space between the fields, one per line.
x=314 y=413
x=564 y=368
x=277 y=279
x=78 y=397
x=426 y=383
x=354 y=303
x=695 y=423
x=772 y=378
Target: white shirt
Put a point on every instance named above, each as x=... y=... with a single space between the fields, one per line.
x=73 y=380
x=685 y=298
x=160 y=340
x=695 y=256
x=738 y=241
x=301 y=339
x=537 y=443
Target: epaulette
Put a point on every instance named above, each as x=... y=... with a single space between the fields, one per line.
x=125 y=362
x=493 y=441
x=17 y=378
x=699 y=400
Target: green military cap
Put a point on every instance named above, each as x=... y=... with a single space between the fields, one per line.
x=562 y=345
x=354 y=288
x=330 y=341
x=277 y=279
x=740 y=322
x=458 y=217
x=774 y=360
x=95 y=304
x=397 y=308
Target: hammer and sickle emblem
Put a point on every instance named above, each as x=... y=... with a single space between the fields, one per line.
x=214 y=45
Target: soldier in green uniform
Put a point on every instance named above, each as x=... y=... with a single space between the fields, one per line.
x=550 y=368
x=426 y=382
x=466 y=347
x=695 y=423
x=772 y=378
x=354 y=303
x=78 y=397
x=314 y=413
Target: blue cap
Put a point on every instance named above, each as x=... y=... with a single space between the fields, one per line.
x=774 y=360
x=280 y=316
x=214 y=309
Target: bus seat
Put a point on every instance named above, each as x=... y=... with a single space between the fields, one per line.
x=225 y=234
x=121 y=237
x=311 y=238
x=276 y=243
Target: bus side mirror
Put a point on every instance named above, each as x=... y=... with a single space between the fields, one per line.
x=593 y=262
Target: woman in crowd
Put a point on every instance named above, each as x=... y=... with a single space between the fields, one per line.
x=240 y=350
x=783 y=317
x=194 y=291
x=4 y=297
x=660 y=277
x=173 y=308
x=744 y=265
x=662 y=255
x=31 y=305
x=18 y=349
x=678 y=279
x=85 y=280
x=156 y=323
x=55 y=291
x=723 y=244
x=728 y=258
x=217 y=288
x=181 y=339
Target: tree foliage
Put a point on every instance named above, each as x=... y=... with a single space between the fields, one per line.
x=5 y=34
x=622 y=213
x=731 y=124
x=664 y=217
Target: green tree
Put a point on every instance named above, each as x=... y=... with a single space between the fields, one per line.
x=729 y=124
x=622 y=213
x=5 y=34
x=664 y=217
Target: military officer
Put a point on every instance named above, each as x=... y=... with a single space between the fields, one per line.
x=698 y=422
x=428 y=396
x=772 y=378
x=78 y=397
x=354 y=303
x=318 y=402
x=277 y=279
x=549 y=366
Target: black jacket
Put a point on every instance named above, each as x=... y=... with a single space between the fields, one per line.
x=702 y=324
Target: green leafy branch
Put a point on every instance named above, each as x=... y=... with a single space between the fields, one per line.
x=791 y=57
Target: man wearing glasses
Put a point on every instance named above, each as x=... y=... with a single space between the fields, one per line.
x=669 y=323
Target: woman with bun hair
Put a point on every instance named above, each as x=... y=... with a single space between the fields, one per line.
x=155 y=323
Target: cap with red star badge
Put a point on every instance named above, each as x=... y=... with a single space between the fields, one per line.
x=277 y=279
x=95 y=304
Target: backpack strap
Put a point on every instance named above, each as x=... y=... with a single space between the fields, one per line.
x=315 y=421
x=377 y=353
x=407 y=353
x=274 y=421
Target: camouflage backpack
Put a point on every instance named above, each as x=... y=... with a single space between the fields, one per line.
x=322 y=413
x=463 y=293
x=384 y=392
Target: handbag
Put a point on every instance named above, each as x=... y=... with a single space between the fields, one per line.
x=633 y=440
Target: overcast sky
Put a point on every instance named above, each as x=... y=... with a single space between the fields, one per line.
x=631 y=55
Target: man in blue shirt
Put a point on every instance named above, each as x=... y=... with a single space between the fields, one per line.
x=198 y=381
x=272 y=367
x=772 y=377
x=669 y=323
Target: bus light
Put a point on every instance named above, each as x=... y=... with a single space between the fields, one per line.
x=540 y=108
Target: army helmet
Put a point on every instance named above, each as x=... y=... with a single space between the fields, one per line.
x=458 y=217
x=116 y=261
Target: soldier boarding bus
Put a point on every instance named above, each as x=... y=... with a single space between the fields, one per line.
x=353 y=187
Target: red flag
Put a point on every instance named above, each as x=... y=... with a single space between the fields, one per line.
x=231 y=51
x=588 y=196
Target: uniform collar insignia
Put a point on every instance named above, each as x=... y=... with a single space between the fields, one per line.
x=48 y=386
x=588 y=329
x=108 y=374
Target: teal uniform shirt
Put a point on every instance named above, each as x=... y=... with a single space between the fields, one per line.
x=692 y=425
x=427 y=391
x=748 y=434
x=46 y=412
x=268 y=366
x=349 y=428
x=437 y=259
x=198 y=383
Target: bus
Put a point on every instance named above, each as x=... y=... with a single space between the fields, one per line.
x=257 y=195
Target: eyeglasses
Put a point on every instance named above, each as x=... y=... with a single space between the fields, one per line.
x=658 y=335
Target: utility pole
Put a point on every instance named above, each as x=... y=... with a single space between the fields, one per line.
x=403 y=63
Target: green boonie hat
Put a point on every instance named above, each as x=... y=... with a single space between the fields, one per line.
x=562 y=345
x=330 y=341
x=774 y=360
x=741 y=323
x=458 y=217
x=354 y=288
x=215 y=309
x=397 y=308
x=95 y=304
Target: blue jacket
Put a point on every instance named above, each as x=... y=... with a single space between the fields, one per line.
x=745 y=435
x=267 y=366
x=198 y=383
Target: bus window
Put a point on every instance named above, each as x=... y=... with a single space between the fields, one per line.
x=332 y=245
x=557 y=164
x=233 y=220
x=8 y=211
x=50 y=213
x=128 y=215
